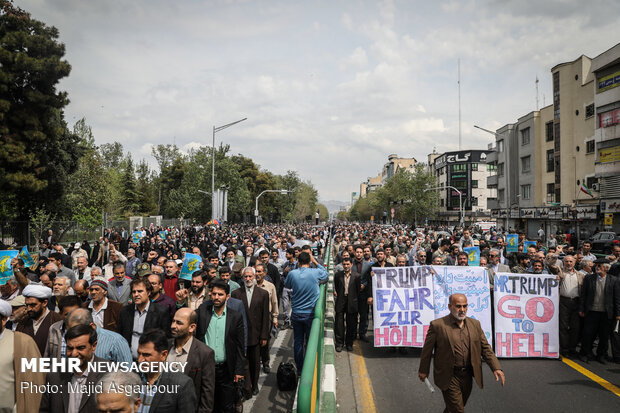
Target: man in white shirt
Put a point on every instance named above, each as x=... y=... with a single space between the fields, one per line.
x=570 y=286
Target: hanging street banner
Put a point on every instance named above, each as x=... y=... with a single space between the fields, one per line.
x=402 y=305
x=526 y=315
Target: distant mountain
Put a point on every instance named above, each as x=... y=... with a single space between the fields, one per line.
x=334 y=206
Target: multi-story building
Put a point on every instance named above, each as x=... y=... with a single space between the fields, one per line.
x=393 y=165
x=545 y=161
x=467 y=171
x=606 y=69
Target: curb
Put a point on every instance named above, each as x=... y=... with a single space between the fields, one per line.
x=328 y=387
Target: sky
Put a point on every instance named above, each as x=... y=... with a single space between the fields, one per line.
x=330 y=88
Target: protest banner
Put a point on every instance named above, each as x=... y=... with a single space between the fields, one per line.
x=402 y=305
x=527 y=244
x=526 y=315
x=512 y=241
x=6 y=269
x=136 y=236
x=473 y=256
x=473 y=282
x=191 y=264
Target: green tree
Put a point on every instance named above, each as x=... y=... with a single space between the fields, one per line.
x=305 y=202
x=130 y=194
x=38 y=152
x=145 y=187
x=323 y=212
x=112 y=154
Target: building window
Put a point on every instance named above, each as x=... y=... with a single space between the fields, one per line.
x=459 y=168
x=491 y=167
x=500 y=195
x=526 y=191
x=500 y=146
x=500 y=169
x=550 y=160
x=461 y=185
x=551 y=192
x=525 y=136
x=474 y=166
x=474 y=183
x=474 y=201
x=556 y=95
x=525 y=164
x=590 y=146
x=549 y=131
x=590 y=181
x=441 y=203
x=590 y=110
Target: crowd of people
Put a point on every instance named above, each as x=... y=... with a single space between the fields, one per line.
x=125 y=301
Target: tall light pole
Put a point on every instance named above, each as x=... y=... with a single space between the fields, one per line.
x=217 y=129
x=461 y=209
x=282 y=191
x=506 y=171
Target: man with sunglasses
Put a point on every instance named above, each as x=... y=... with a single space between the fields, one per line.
x=459 y=345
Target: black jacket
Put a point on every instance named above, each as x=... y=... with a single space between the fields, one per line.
x=156 y=317
x=182 y=400
x=588 y=290
x=234 y=340
x=350 y=304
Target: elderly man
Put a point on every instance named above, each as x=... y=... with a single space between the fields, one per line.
x=158 y=297
x=56 y=258
x=132 y=263
x=598 y=306
x=105 y=312
x=82 y=271
x=80 y=288
x=60 y=288
x=171 y=279
x=571 y=281
x=273 y=310
x=16 y=346
x=458 y=345
x=119 y=286
x=40 y=317
x=115 y=256
x=111 y=400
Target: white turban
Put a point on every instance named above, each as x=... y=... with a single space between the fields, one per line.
x=5 y=308
x=37 y=291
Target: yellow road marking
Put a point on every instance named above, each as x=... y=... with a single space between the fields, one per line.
x=597 y=379
x=363 y=380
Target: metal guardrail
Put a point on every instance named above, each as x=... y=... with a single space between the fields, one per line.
x=309 y=392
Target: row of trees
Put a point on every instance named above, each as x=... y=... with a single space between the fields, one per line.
x=405 y=192
x=49 y=169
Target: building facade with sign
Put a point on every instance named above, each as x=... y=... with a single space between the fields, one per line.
x=606 y=68
x=466 y=171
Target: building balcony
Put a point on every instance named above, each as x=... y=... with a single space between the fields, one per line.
x=492 y=157
x=492 y=181
x=492 y=203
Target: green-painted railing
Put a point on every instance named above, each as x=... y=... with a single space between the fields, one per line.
x=308 y=395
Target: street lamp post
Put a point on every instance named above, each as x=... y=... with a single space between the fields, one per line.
x=282 y=191
x=217 y=129
x=506 y=171
x=461 y=209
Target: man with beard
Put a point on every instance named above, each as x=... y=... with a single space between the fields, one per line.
x=80 y=288
x=200 y=358
x=161 y=299
x=256 y=303
x=131 y=268
x=82 y=271
x=19 y=313
x=273 y=310
x=105 y=312
x=40 y=318
x=119 y=289
x=225 y=275
x=523 y=261
x=196 y=296
x=458 y=344
x=363 y=268
x=61 y=286
x=215 y=319
x=14 y=347
x=462 y=260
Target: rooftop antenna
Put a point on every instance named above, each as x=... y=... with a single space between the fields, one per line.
x=537 y=107
x=459 y=82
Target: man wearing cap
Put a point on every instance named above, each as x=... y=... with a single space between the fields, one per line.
x=40 y=318
x=144 y=269
x=19 y=314
x=599 y=306
x=105 y=312
x=77 y=252
x=15 y=346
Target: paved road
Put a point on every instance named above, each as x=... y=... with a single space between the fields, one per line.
x=531 y=385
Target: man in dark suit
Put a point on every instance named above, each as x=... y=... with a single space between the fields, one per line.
x=153 y=348
x=141 y=315
x=119 y=288
x=81 y=343
x=256 y=303
x=229 y=358
x=271 y=270
x=598 y=305
x=459 y=345
x=346 y=290
x=362 y=268
x=199 y=357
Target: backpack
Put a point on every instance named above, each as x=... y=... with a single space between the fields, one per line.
x=287 y=377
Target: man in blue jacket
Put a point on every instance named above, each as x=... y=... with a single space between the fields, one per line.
x=304 y=283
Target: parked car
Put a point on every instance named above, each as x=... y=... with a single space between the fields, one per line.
x=603 y=242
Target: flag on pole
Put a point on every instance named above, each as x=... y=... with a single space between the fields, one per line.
x=586 y=190
x=26 y=257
